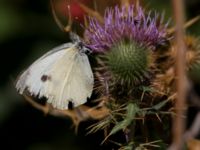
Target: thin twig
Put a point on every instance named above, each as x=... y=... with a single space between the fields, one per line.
x=77 y=115
x=186 y=25
x=91 y=12
x=38 y=106
x=194 y=129
x=179 y=122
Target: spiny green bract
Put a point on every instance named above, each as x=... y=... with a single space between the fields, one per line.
x=128 y=62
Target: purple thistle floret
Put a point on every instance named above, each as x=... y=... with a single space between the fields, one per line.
x=119 y=24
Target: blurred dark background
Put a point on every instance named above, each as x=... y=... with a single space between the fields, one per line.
x=28 y=30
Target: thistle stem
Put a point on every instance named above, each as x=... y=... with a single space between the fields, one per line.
x=130 y=133
x=179 y=121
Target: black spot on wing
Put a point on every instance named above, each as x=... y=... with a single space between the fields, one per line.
x=44 y=78
x=70 y=105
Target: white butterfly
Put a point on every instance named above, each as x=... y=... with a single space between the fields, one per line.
x=63 y=76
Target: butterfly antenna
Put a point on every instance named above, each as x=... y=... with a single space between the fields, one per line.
x=69 y=18
x=66 y=28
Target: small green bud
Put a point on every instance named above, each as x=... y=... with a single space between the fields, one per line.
x=128 y=62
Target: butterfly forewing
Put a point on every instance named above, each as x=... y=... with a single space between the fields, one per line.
x=62 y=77
x=33 y=78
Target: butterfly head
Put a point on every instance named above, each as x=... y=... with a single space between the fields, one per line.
x=79 y=44
x=82 y=48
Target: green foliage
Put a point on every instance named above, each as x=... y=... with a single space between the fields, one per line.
x=160 y=105
x=127 y=147
x=132 y=110
x=103 y=124
x=144 y=146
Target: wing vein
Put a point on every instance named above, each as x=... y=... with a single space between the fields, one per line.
x=66 y=79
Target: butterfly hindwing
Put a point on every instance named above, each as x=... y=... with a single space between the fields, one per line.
x=72 y=82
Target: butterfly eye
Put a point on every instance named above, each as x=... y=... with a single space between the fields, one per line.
x=87 y=51
x=82 y=48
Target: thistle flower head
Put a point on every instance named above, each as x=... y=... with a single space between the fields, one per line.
x=125 y=23
x=128 y=62
x=193 y=52
x=193 y=57
x=124 y=39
